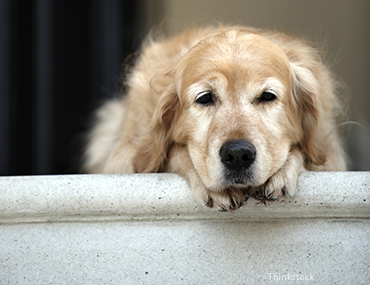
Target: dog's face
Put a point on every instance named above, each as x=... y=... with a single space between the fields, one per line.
x=236 y=109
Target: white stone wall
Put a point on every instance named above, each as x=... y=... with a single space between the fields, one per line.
x=147 y=229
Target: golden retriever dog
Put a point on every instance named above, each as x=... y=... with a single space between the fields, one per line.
x=237 y=111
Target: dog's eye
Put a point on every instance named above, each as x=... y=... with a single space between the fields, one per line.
x=267 y=97
x=205 y=98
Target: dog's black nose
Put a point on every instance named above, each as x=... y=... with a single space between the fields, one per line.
x=237 y=154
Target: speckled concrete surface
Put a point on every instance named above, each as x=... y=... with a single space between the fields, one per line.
x=147 y=229
x=186 y=252
x=167 y=196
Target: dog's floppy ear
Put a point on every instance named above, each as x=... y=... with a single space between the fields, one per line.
x=307 y=106
x=156 y=142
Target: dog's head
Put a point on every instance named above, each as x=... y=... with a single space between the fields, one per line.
x=239 y=101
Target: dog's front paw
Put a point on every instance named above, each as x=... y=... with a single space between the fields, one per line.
x=277 y=186
x=284 y=182
x=224 y=201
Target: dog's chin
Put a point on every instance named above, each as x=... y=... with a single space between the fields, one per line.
x=232 y=179
x=238 y=179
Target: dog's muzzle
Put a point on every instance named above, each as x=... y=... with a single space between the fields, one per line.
x=237 y=156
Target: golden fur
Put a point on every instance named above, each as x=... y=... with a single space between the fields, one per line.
x=162 y=125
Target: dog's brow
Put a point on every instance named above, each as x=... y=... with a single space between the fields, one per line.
x=274 y=85
x=196 y=88
x=271 y=84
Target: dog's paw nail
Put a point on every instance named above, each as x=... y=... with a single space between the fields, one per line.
x=222 y=209
x=283 y=191
x=209 y=203
x=233 y=204
x=266 y=192
x=271 y=198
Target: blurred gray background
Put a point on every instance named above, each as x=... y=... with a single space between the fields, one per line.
x=60 y=59
x=340 y=27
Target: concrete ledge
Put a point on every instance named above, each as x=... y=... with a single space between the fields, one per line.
x=138 y=197
x=147 y=229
